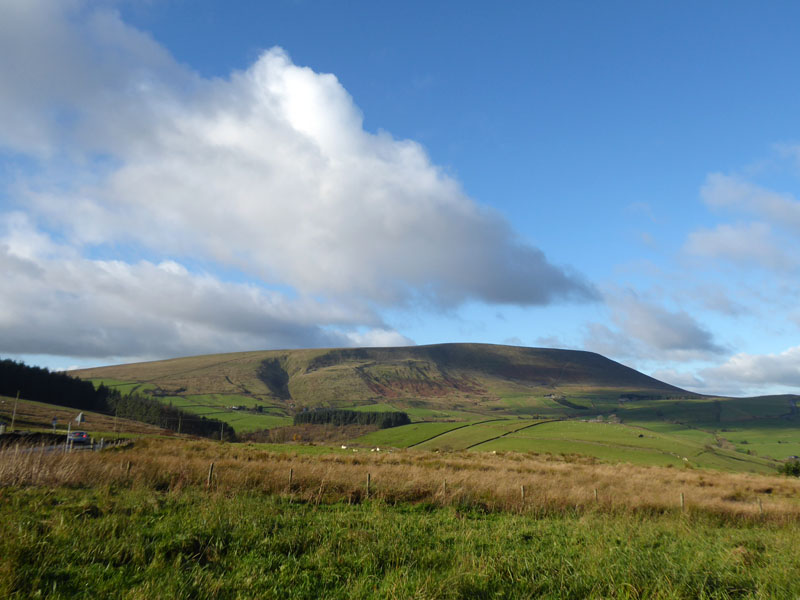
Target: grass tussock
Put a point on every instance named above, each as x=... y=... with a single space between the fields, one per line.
x=487 y=482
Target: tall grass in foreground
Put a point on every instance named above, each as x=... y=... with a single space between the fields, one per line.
x=502 y=482
x=108 y=542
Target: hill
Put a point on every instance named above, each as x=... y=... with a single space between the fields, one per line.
x=476 y=374
x=445 y=381
x=482 y=397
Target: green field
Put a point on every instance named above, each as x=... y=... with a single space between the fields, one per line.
x=124 y=387
x=241 y=421
x=672 y=445
x=466 y=437
x=213 y=406
x=137 y=544
x=406 y=435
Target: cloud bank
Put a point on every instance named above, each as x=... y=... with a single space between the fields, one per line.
x=760 y=370
x=645 y=329
x=128 y=170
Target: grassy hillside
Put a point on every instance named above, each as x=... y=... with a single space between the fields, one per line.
x=602 y=408
x=467 y=377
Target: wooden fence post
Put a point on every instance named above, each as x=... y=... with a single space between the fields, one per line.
x=291 y=477
x=683 y=503
x=760 y=507
x=596 y=499
x=210 y=476
x=522 y=492
x=369 y=480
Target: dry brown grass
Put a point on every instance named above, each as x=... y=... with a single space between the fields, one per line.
x=483 y=481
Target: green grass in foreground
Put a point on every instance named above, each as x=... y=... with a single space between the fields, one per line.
x=103 y=543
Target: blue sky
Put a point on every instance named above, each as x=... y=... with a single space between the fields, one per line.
x=185 y=177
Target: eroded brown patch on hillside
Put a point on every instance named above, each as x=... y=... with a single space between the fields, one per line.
x=415 y=378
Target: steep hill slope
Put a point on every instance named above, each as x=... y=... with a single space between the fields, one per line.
x=477 y=375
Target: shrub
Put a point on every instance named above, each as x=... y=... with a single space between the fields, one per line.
x=791 y=468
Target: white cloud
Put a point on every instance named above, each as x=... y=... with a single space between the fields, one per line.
x=646 y=330
x=681 y=379
x=100 y=308
x=271 y=173
x=76 y=75
x=268 y=173
x=719 y=298
x=703 y=384
x=752 y=244
x=760 y=370
x=733 y=192
x=384 y=338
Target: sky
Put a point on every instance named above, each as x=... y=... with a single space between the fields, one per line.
x=182 y=177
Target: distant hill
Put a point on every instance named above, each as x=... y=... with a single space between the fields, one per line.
x=332 y=376
x=476 y=378
x=478 y=396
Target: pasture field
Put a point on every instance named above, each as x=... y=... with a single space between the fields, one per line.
x=216 y=406
x=672 y=445
x=82 y=525
x=622 y=443
x=406 y=435
x=38 y=416
x=241 y=421
x=465 y=437
x=124 y=387
x=754 y=444
x=774 y=438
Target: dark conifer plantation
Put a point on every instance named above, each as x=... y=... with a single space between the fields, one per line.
x=383 y=420
x=42 y=385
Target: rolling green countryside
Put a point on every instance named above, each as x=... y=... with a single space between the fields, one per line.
x=480 y=398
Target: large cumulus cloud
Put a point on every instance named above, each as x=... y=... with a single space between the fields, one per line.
x=122 y=153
